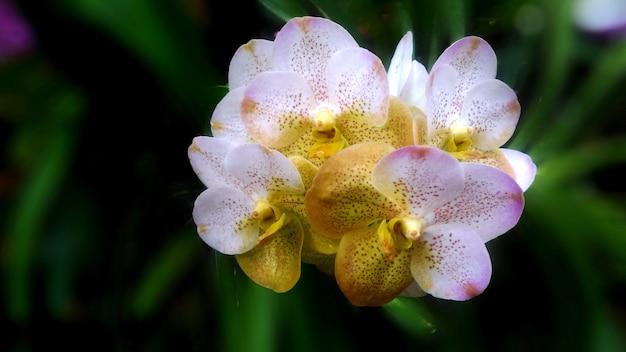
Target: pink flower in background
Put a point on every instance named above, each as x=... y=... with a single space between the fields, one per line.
x=16 y=35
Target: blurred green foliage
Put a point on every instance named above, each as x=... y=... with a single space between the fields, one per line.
x=97 y=246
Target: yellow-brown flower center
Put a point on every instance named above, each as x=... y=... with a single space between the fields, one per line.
x=398 y=234
x=270 y=218
x=459 y=142
x=328 y=139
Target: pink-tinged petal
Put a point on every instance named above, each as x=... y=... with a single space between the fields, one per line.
x=357 y=85
x=275 y=264
x=419 y=179
x=523 y=167
x=342 y=198
x=491 y=202
x=224 y=221
x=249 y=60
x=305 y=44
x=400 y=66
x=206 y=155
x=277 y=107
x=472 y=58
x=492 y=110
x=443 y=107
x=365 y=274
x=450 y=261
x=226 y=120
x=266 y=171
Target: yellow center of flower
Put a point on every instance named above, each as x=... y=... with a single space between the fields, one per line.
x=398 y=234
x=270 y=218
x=328 y=139
x=459 y=142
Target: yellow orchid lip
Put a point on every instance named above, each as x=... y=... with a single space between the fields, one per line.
x=398 y=234
x=328 y=138
x=271 y=219
x=460 y=139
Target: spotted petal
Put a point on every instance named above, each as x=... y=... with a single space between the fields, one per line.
x=450 y=261
x=315 y=246
x=224 y=221
x=492 y=109
x=357 y=85
x=249 y=60
x=275 y=264
x=226 y=119
x=266 y=171
x=398 y=130
x=364 y=273
x=305 y=44
x=523 y=167
x=206 y=155
x=277 y=108
x=472 y=58
x=419 y=179
x=443 y=107
x=342 y=198
x=491 y=202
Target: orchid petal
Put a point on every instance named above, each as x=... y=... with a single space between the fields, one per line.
x=472 y=58
x=342 y=198
x=413 y=91
x=493 y=157
x=523 y=167
x=357 y=85
x=306 y=169
x=443 y=107
x=276 y=108
x=266 y=171
x=276 y=263
x=315 y=246
x=398 y=130
x=249 y=60
x=226 y=119
x=206 y=155
x=224 y=220
x=400 y=66
x=491 y=202
x=451 y=262
x=305 y=44
x=364 y=273
x=418 y=178
x=492 y=110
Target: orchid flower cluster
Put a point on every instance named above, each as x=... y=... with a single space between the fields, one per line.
x=389 y=180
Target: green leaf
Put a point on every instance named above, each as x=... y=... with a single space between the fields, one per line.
x=411 y=315
x=163 y=273
x=41 y=147
x=284 y=9
x=160 y=34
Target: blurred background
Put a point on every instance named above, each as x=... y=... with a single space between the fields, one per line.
x=99 y=100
